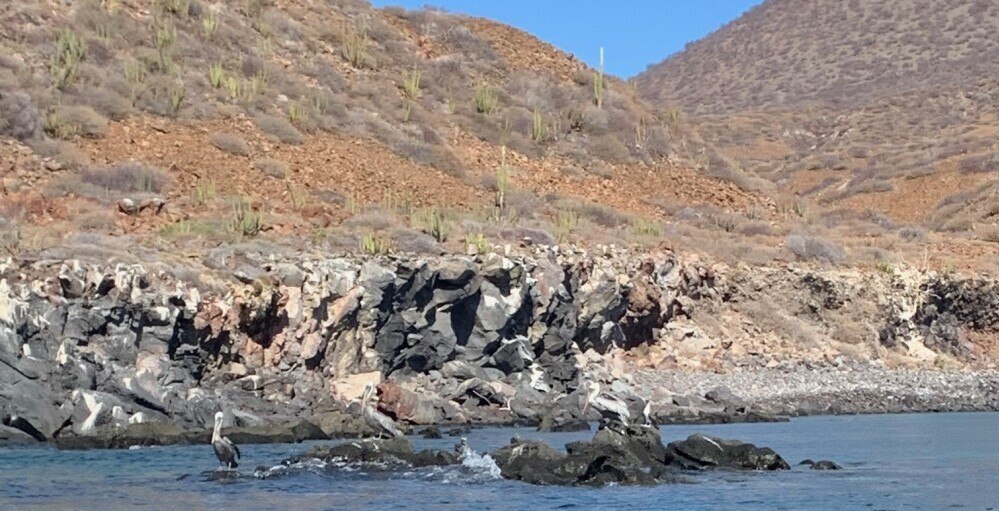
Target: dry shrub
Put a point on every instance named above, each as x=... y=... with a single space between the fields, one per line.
x=108 y=103
x=279 y=128
x=66 y=153
x=371 y=221
x=609 y=149
x=230 y=143
x=981 y=163
x=18 y=116
x=600 y=215
x=413 y=241
x=272 y=167
x=76 y=121
x=810 y=248
x=912 y=234
x=126 y=177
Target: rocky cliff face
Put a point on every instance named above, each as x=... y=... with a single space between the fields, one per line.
x=86 y=346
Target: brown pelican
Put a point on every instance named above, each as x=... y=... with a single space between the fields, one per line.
x=611 y=409
x=225 y=450
x=377 y=420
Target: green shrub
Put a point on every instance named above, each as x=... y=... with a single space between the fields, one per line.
x=566 y=222
x=216 y=75
x=486 y=99
x=431 y=221
x=210 y=24
x=539 y=132
x=354 y=41
x=411 y=84
x=204 y=191
x=374 y=245
x=70 y=50
x=245 y=220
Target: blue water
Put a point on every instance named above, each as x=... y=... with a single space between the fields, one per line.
x=892 y=462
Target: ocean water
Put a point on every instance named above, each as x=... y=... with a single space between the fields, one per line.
x=892 y=462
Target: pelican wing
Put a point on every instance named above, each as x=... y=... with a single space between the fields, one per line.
x=612 y=408
x=234 y=446
x=385 y=423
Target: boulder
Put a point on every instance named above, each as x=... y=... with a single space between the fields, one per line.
x=821 y=465
x=14 y=436
x=341 y=424
x=414 y=407
x=634 y=457
x=701 y=452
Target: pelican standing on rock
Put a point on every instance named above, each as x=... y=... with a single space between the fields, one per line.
x=377 y=420
x=225 y=450
x=611 y=409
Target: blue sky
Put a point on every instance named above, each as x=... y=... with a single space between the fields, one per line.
x=634 y=33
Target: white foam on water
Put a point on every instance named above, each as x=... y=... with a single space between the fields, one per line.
x=480 y=464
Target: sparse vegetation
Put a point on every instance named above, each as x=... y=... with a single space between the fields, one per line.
x=566 y=222
x=539 y=132
x=355 y=43
x=204 y=191
x=411 y=83
x=486 y=99
x=373 y=245
x=295 y=195
x=598 y=82
x=231 y=143
x=216 y=75
x=280 y=129
x=433 y=222
x=19 y=118
x=210 y=24
x=272 y=167
x=810 y=248
x=67 y=56
x=245 y=220
x=126 y=177
x=477 y=243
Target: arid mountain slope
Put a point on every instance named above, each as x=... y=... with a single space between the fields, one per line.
x=882 y=106
x=846 y=53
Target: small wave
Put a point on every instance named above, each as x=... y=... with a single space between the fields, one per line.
x=480 y=463
x=474 y=468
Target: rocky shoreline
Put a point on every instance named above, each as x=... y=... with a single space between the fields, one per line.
x=105 y=354
x=860 y=389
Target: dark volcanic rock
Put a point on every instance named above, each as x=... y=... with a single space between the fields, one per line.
x=388 y=453
x=701 y=451
x=636 y=457
x=14 y=436
x=821 y=465
x=433 y=432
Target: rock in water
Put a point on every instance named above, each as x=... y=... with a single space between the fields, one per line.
x=821 y=465
x=635 y=457
x=388 y=453
x=701 y=452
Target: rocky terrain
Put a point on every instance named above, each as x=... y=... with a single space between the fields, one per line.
x=884 y=107
x=635 y=456
x=99 y=354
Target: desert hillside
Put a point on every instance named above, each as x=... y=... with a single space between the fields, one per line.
x=176 y=125
x=787 y=52
x=887 y=107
